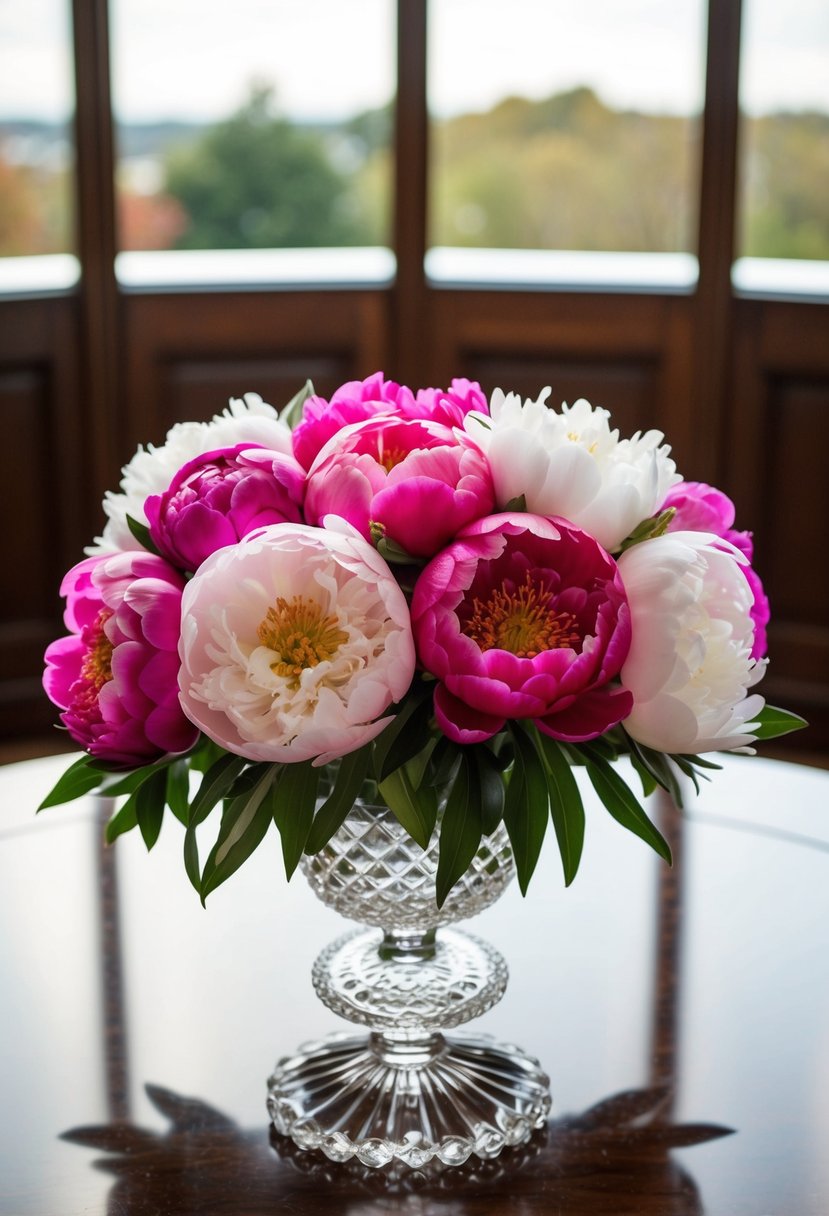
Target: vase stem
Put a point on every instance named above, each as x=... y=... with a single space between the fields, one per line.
x=408 y=945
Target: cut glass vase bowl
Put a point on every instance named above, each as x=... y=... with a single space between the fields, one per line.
x=402 y=1091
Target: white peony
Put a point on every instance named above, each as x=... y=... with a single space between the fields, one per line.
x=294 y=644
x=572 y=464
x=152 y=469
x=689 y=666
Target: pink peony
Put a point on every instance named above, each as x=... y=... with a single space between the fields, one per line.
x=295 y=643
x=116 y=675
x=220 y=496
x=361 y=399
x=523 y=617
x=416 y=481
x=703 y=508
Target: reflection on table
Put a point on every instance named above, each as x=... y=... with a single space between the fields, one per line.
x=670 y=1007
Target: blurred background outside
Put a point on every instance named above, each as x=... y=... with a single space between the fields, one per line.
x=270 y=125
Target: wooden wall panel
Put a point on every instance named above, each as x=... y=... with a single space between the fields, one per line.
x=186 y=354
x=775 y=460
x=630 y=354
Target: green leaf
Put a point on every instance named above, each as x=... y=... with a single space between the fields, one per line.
x=519 y=503
x=214 y=786
x=443 y=761
x=150 y=799
x=657 y=765
x=566 y=807
x=332 y=814
x=460 y=829
x=114 y=785
x=395 y=554
x=124 y=820
x=292 y=802
x=178 y=789
x=406 y=736
x=416 y=808
x=79 y=779
x=525 y=807
x=142 y=534
x=244 y=823
x=657 y=525
x=622 y=804
x=490 y=788
x=773 y=722
x=291 y=414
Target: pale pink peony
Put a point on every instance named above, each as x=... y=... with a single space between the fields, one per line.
x=703 y=508
x=361 y=399
x=218 y=497
x=690 y=663
x=523 y=617
x=414 y=481
x=116 y=675
x=294 y=644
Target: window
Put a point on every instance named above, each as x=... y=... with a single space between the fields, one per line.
x=249 y=126
x=783 y=214
x=36 y=150
x=565 y=128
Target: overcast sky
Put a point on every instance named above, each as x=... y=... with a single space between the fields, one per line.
x=329 y=59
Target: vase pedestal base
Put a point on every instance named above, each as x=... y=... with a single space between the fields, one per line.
x=414 y=1099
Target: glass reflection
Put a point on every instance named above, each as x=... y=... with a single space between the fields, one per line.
x=204 y=1161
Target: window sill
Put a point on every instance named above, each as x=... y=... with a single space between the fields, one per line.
x=255 y=269
x=781 y=279
x=561 y=270
x=44 y=274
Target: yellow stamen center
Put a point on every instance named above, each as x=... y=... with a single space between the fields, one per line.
x=301 y=634
x=96 y=667
x=523 y=621
x=389 y=457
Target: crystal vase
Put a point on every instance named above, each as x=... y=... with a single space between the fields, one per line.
x=404 y=1092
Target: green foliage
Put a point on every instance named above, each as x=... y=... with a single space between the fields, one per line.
x=257 y=181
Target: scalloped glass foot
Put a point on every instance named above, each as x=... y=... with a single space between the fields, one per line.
x=413 y=1101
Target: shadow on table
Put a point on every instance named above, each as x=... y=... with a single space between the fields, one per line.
x=612 y=1159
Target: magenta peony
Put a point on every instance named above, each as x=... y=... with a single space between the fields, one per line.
x=523 y=617
x=116 y=675
x=414 y=481
x=221 y=496
x=361 y=399
x=703 y=508
x=295 y=643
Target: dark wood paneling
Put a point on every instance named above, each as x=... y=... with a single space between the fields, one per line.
x=627 y=389
x=186 y=354
x=200 y=388
x=775 y=467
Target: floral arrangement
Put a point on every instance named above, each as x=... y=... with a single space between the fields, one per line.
x=448 y=601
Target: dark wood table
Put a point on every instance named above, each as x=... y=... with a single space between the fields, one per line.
x=683 y=1016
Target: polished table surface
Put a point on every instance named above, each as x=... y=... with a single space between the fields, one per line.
x=682 y=1014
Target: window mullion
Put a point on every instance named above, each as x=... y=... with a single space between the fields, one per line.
x=410 y=205
x=716 y=233
x=96 y=237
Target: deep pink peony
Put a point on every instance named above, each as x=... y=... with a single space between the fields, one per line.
x=523 y=617
x=416 y=480
x=703 y=508
x=361 y=399
x=116 y=675
x=221 y=496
